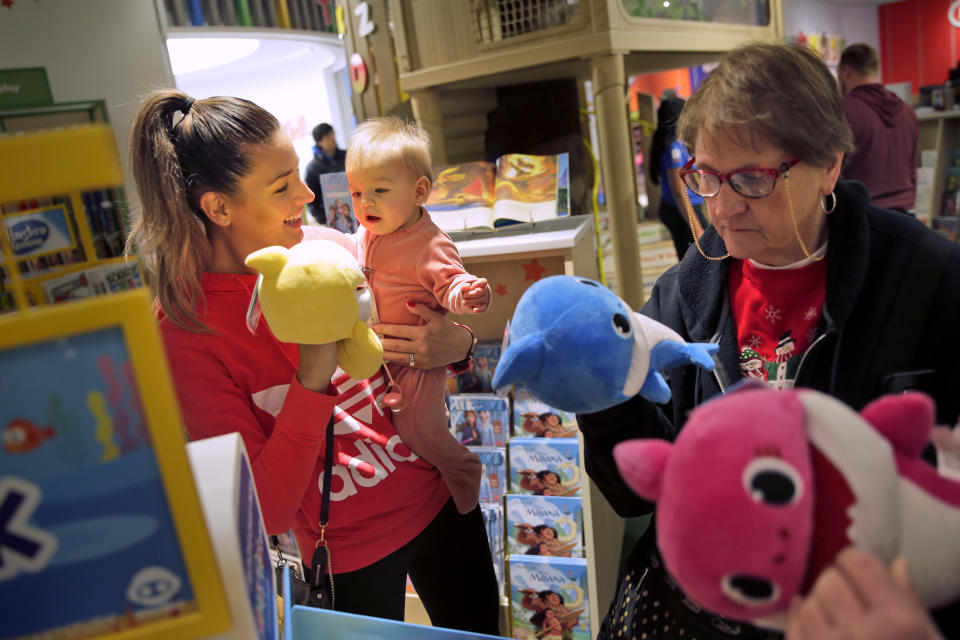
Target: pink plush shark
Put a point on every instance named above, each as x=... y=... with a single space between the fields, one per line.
x=763 y=488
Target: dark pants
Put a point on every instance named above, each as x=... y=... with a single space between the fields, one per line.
x=678 y=224
x=450 y=566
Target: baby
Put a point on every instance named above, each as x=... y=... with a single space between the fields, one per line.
x=407 y=260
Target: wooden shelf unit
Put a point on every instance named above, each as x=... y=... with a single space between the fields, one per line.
x=939 y=131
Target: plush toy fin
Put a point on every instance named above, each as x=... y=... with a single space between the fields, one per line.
x=269 y=261
x=655 y=388
x=641 y=464
x=905 y=420
x=669 y=354
x=361 y=354
x=521 y=361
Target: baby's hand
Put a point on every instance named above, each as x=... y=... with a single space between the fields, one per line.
x=476 y=296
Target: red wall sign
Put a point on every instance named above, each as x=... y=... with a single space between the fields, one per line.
x=919 y=41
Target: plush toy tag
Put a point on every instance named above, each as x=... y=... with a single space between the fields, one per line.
x=947 y=443
x=254 y=311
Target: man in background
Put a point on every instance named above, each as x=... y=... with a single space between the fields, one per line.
x=327 y=158
x=884 y=131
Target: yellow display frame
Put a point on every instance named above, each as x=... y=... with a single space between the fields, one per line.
x=132 y=312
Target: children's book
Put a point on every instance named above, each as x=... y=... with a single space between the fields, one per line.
x=548 y=598
x=337 y=203
x=517 y=188
x=533 y=418
x=478 y=378
x=544 y=526
x=544 y=466
x=493 y=482
x=480 y=419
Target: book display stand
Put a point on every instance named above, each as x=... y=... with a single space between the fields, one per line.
x=61 y=208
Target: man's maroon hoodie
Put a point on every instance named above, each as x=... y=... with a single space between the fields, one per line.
x=885 y=135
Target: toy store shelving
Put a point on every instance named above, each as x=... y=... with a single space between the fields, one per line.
x=64 y=181
x=939 y=133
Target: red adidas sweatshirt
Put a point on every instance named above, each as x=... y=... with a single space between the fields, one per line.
x=227 y=381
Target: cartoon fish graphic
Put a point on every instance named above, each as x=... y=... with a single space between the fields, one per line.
x=23 y=436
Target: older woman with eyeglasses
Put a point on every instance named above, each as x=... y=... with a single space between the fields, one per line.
x=801 y=282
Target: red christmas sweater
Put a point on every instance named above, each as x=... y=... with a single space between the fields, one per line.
x=777 y=310
x=382 y=495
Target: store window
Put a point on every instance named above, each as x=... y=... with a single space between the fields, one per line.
x=749 y=12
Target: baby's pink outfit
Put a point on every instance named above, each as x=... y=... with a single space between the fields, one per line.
x=421 y=264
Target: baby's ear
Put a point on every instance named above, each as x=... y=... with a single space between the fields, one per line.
x=422 y=189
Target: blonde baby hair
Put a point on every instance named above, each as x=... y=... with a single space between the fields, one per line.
x=389 y=138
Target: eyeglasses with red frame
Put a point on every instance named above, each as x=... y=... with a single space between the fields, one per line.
x=750 y=183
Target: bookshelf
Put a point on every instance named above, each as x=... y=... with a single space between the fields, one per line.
x=939 y=133
x=306 y=15
x=61 y=203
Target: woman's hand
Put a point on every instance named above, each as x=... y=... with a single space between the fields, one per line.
x=859 y=597
x=436 y=343
x=317 y=364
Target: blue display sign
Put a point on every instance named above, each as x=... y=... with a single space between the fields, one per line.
x=39 y=232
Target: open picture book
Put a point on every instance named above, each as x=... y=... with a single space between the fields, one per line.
x=517 y=188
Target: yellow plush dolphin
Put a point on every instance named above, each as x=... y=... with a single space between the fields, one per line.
x=314 y=294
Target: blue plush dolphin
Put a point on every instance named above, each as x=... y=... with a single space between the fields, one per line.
x=576 y=346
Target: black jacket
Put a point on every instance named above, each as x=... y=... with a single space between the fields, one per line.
x=315 y=168
x=871 y=276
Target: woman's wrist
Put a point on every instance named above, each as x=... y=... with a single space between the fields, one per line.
x=316 y=367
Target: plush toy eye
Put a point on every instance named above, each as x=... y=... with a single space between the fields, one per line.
x=772 y=481
x=621 y=325
x=589 y=282
x=752 y=591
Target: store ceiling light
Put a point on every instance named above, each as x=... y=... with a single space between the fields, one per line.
x=195 y=54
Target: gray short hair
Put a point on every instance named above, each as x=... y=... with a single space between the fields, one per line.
x=781 y=94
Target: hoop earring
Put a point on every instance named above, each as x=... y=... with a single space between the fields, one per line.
x=833 y=205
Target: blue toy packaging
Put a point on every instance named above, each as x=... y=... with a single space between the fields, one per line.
x=493 y=520
x=493 y=482
x=479 y=377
